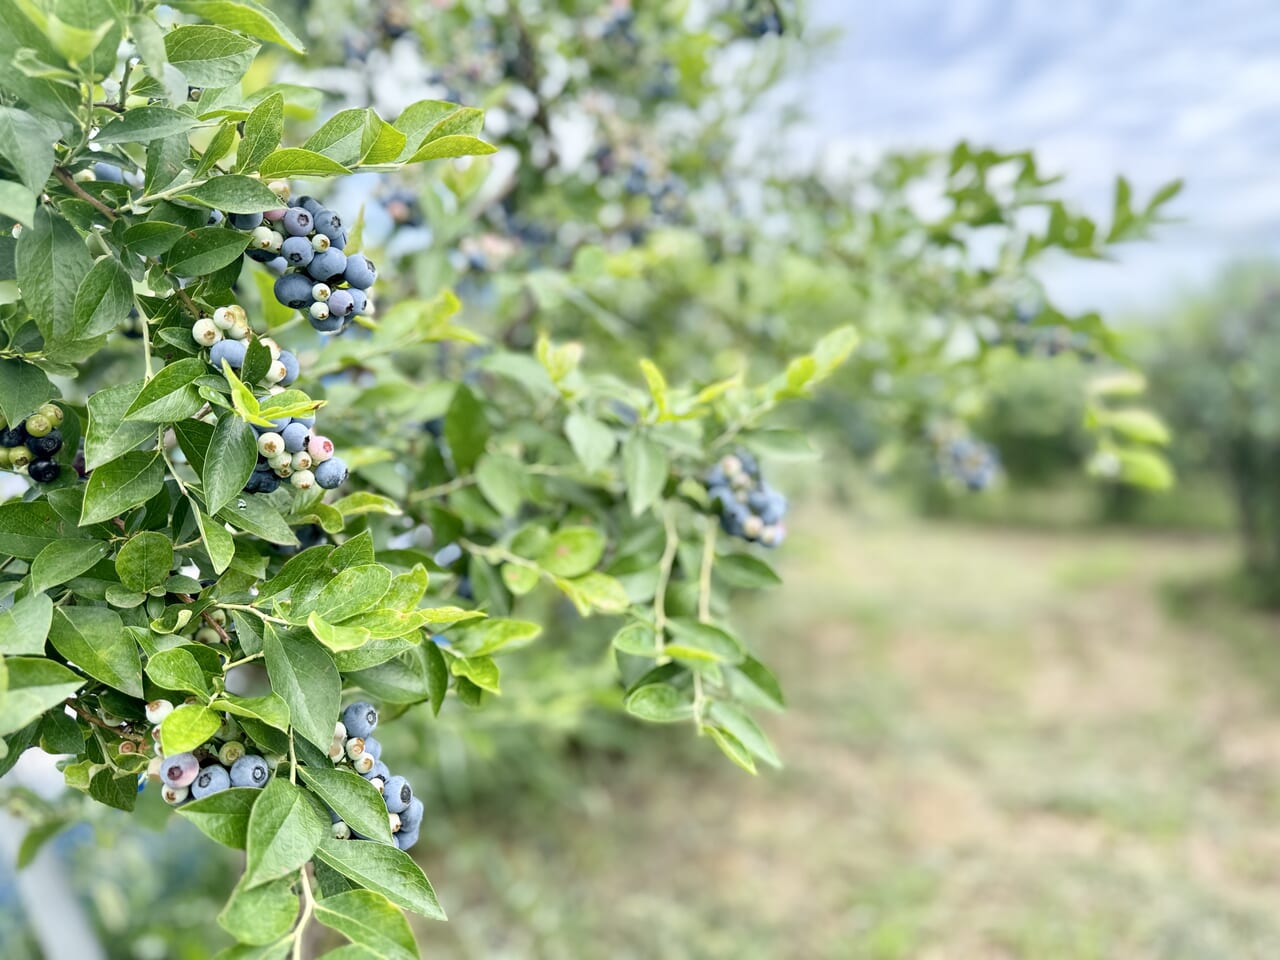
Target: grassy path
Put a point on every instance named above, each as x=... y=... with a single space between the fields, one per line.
x=1001 y=745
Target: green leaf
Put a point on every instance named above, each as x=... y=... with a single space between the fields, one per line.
x=637 y=639
x=659 y=703
x=171 y=394
x=645 y=468
x=51 y=261
x=353 y=591
x=103 y=300
x=26 y=145
x=218 y=542
x=702 y=641
x=23 y=388
x=345 y=136
x=94 y=639
x=114 y=790
x=746 y=571
x=735 y=720
x=500 y=479
x=217 y=149
x=262 y=914
x=465 y=428
x=482 y=671
x=27 y=528
x=370 y=920
x=303 y=674
x=205 y=250
x=297 y=162
x=732 y=747
x=18 y=202
x=417 y=119
x=178 y=669
x=270 y=709
x=491 y=636
x=284 y=831
x=362 y=501
x=338 y=638
x=109 y=434
x=59 y=562
x=36 y=838
x=152 y=237
x=762 y=682
x=572 y=551
x=353 y=798
x=254 y=513
x=120 y=485
x=223 y=817
x=209 y=56
x=232 y=456
x=596 y=591
x=144 y=561
x=1136 y=424
x=245 y=16
x=263 y=129
x=593 y=443
x=437 y=676
x=144 y=124
x=453 y=146
x=234 y=194
x=385 y=870
x=35 y=685
x=187 y=727
x=25 y=625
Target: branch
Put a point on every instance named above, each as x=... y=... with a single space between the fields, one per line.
x=67 y=180
x=97 y=721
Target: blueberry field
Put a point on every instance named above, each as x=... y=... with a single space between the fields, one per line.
x=559 y=479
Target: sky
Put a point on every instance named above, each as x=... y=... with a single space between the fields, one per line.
x=1153 y=89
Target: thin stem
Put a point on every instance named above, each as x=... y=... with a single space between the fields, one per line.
x=173 y=471
x=84 y=714
x=67 y=180
x=242 y=661
x=293 y=760
x=184 y=187
x=441 y=489
x=665 y=566
x=704 y=578
x=308 y=907
x=255 y=611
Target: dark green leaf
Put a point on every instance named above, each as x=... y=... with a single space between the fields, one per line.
x=120 y=485
x=223 y=817
x=230 y=461
x=144 y=561
x=109 y=434
x=94 y=639
x=234 y=194
x=35 y=685
x=302 y=672
x=384 y=869
x=370 y=920
x=209 y=56
x=284 y=831
x=205 y=250
x=354 y=798
x=143 y=124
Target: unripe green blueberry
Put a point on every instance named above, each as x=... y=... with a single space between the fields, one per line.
x=205 y=332
x=276 y=241
x=355 y=747
x=275 y=373
x=157 y=710
x=175 y=795
x=38 y=425
x=319 y=310
x=394 y=821
x=363 y=764
x=218 y=616
x=223 y=318
x=337 y=749
x=238 y=330
x=230 y=752
x=752 y=526
x=280 y=188
x=260 y=238
x=321 y=291
x=53 y=412
x=301 y=460
x=319 y=243
x=4 y=457
x=271 y=346
x=270 y=444
x=341 y=831
x=19 y=457
x=303 y=479
x=207 y=635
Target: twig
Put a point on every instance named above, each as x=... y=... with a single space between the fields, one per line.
x=97 y=721
x=67 y=180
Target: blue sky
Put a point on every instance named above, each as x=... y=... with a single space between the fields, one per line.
x=1154 y=89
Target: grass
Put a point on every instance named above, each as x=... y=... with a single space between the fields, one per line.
x=1001 y=744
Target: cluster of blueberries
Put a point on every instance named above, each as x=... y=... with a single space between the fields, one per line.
x=354 y=744
x=749 y=507
x=303 y=243
x=209 y=769
x=289 y=449
x=33 y=444
x=968 y=461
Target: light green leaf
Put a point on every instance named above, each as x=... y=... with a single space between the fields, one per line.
x=353 y=798
x=171 y=394
x=187 y=727
x=223 y=817
x=500 y=479
x=645 y=467
x=94 y=639
x=35 y=685
x=270 y=709
x=659 y=703
x=370 y=920
x=262 y=132
x=572 y=551
x=121 y=485
x=144 y=561
x=234 y=194
x=144 y=124
x=385 y=870
x=25 y=626
x=303 y=674
x=453 y=146
x=110 y=435
x=297 y=162
x=178 y=669
x=261 y=914
x=209 y=56
x=284 y=831
x=593 y=442
x=337 y=638
x=482 y=671
x=246 y=16
x=205 y=250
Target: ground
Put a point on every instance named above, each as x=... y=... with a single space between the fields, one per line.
x=1001 y=744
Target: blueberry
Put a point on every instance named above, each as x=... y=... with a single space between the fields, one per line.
x=359 y=300
x=329 y=324
x=373 y=748
x=277 y=265
x=106 y=173
x=13 y=436
x=330 y=224
x=398 y=794
x=406 y=838
x=179 y=770
x=464 y=589
x=276 y=426
x=379 y=770
x=297 y=222
x=262 y=256
x=309 y=204
x=360 y=719
x=331 y=474
x=328 y=265
x=411 y=816
x=340 y=240
x=46 y=446
x=294 y=290
x=305 y=421
x=245 y=221
x=250 y=771
x=360 y=271
x=448 y=555
x=295 y=437
x=341 y=304
x=215 y=218
x=291 y=370
x=261 y=483
x=298 y=251
x=212 y=779
x=44 y=471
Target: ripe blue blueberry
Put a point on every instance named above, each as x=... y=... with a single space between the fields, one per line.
x=381 y=770
x=329 y=324
x=297 y=222
x=250 y=771
x=106 y=173
x=179 y=770
x=341 y=304
x=373 y=748
x=397 y=793
x=448 y=555
x=411 y=816
x=360 y=719
x=260 y=254
x=277 y=265
x=215 y=218
x=406 y=838
x=331 y=474
x=305 y=421
x=46 y=446
x=245 y=221
x=211 y=779
x=291 y=370
x=259 y=482
x=44 y=471
x=330 y=224
x=328 y=265
x=293 y=290
x=298 y=251
x=360 y=271
x=309 y=204
x=339 y=241
x=295 y=437
x=359 y=301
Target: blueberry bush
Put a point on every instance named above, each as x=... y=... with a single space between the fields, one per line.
x=290 y=467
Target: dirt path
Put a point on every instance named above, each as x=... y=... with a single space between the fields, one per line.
x=1000 y=746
